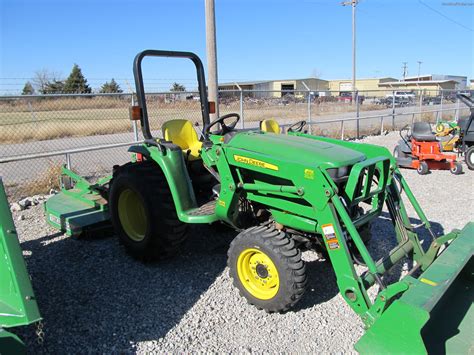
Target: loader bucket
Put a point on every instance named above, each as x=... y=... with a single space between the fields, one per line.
x=435 y=315
x=17 y=301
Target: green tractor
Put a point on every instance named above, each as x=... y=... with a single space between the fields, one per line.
x=284 y=194
x=18 y=305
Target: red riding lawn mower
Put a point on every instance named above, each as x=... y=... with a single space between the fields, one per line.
x=420 y=149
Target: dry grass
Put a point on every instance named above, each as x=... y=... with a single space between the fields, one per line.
x=43 y=119
x=37 y=132
x=48 y=180
x=63 y=104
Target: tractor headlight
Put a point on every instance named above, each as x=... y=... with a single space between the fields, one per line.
x=339 y=174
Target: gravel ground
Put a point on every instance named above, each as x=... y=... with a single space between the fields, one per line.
x=94 y=298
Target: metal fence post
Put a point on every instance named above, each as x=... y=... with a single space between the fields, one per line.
x=241 y=105
x=381 y=125
x=421 y=103
x=242 y=108
x=441 y=108
x=134 y=123
x=393 y=110
x=357 y=113
x=342 y=130
x=310 y=123
x=309 y=113
x=456 y=112
x=68 y=161
x=421 y=100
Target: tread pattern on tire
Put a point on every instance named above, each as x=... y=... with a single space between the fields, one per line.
x=167 y=232
x=293 y=270
x=468 y=153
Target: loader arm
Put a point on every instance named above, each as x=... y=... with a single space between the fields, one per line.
x=18 y=305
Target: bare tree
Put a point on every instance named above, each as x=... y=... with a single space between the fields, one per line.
x=43 y=79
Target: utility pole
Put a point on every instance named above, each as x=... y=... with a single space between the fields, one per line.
x=405 y=71
x=211 y=52
x=419 y=68
x=353 y=3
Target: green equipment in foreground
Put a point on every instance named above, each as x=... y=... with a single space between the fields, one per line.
x=18 y=305
x=284 y=194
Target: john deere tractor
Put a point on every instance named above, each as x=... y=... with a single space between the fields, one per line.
x=283 y=194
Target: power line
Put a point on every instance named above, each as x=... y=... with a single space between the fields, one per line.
x=446 y=17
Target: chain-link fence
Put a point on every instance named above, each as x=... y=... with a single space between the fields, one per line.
x=90 y=132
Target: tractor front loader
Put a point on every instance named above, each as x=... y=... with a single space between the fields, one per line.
x=284 y=194
x=18 y=305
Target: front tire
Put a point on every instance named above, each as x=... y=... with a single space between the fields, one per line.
x=143 y=213
x=457 y=169
x=266 y=268
x=469 y=156
x=423 y=168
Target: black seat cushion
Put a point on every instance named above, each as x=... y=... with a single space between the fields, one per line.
x=421 y=131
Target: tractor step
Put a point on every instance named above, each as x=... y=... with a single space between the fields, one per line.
x=207 y=209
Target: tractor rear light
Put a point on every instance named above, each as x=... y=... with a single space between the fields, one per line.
x=136 y=113
x=139 y=157
x=212 y=107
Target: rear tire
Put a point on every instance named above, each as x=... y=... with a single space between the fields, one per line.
x=469 y=156
x=457 y=169
x=266 y=268
x=143 y=213
x=423 y=168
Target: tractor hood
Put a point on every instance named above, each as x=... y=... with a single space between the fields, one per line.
x=295 y=149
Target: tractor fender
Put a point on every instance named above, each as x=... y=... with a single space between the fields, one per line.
x=169 y=158
x=140 y=150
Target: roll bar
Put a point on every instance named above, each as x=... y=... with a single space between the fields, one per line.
x=137 y=73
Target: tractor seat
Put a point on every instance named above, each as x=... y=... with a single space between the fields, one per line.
x=421 y=131
x=183 y=134
x=270 y=126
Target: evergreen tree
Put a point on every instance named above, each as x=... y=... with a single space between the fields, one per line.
x=111 y=87
x=76 y=82
x=28 y=89
x=54 y=87
x=177 y=87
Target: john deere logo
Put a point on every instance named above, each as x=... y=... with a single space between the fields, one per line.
x=255 y=162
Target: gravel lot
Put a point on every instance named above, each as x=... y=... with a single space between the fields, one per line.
x=94 y=298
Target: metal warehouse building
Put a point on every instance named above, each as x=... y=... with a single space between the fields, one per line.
x=276 y=88
x=431 y=83
x=337 y=86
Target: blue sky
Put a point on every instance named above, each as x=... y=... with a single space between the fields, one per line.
x=256 y=39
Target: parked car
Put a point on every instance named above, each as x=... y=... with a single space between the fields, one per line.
x=410 y=95
x=346 y=96
x=432 y=100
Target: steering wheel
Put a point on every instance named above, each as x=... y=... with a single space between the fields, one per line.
x=407 y=130
x=297 y=127
x=225 y=128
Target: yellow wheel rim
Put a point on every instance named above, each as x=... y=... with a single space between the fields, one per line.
x=258 y=274
x=132 y=215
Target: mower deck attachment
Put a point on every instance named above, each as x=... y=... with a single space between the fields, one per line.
x=80 y=210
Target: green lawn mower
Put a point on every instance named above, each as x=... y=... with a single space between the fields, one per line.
x=284 y=194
